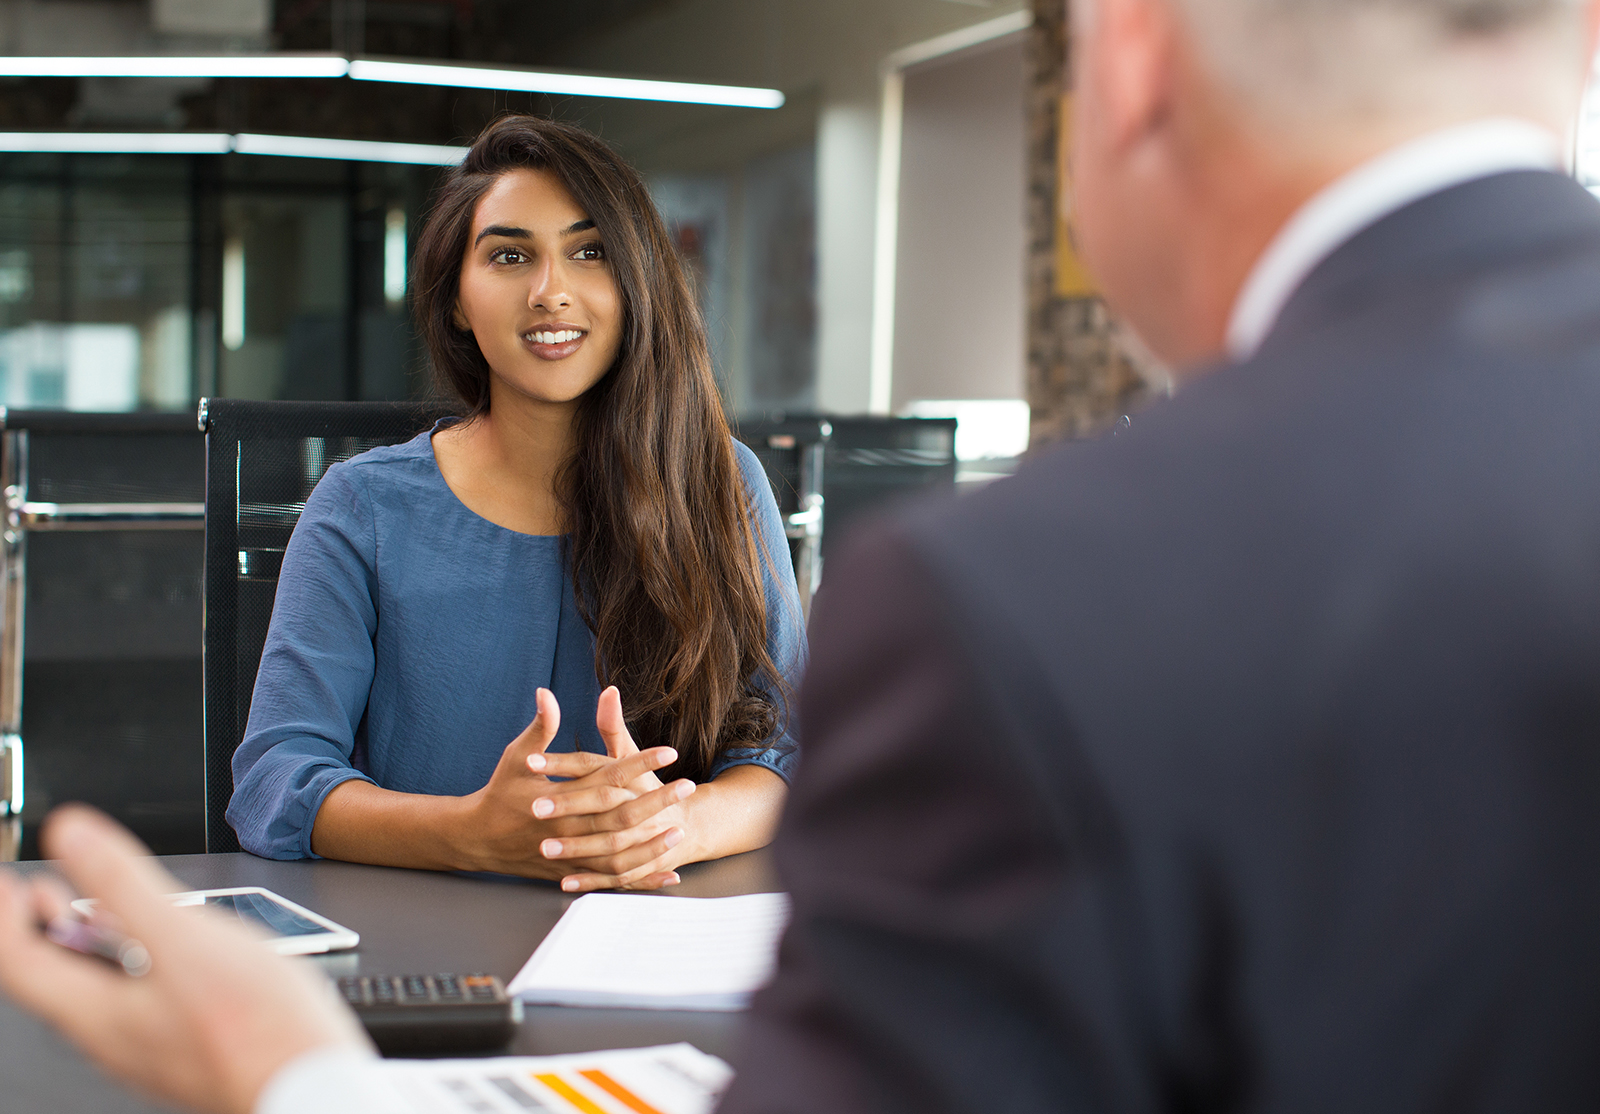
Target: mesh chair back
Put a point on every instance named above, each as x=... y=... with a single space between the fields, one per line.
x=873 y=463
x=262 y=460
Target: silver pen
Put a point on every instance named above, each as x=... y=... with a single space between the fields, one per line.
x=90 y=939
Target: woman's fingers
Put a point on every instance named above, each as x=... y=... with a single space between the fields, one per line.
x=655 y=880
x=636 y=812
x=604 y=770
x=652 y=875
x=581 y=802
x=546 y=722
x=571 y=765
x=612 y=726
x=617 y=850
x=626 y=811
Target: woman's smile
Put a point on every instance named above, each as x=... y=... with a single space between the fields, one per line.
x=554 y=341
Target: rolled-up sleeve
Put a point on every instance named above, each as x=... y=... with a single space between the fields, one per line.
x=786 y=632
x=316 y=673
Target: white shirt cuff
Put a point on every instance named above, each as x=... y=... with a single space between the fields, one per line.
x=338 y=1080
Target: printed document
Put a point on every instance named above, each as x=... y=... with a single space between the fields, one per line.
x=651 y=952
x=668 y=1079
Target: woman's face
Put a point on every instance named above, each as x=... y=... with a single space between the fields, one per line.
x=536 y=290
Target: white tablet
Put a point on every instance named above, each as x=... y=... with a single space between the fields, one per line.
x=294 y=929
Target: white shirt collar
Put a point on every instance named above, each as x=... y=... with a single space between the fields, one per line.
x=1372 y=191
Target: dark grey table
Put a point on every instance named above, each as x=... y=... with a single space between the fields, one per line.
x=410 y=922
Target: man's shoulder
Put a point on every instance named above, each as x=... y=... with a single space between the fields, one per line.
x=1070 y=501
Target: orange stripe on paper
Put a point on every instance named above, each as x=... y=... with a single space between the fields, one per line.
x=618 y=1091
x=564 y=1089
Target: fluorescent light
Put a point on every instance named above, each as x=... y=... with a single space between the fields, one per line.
x=409 y=73
x=118 y=143
x=233 y=293
x=356 y=150
x=578 y=85
x=394 y=256
x=208 y=143
x=227 y=65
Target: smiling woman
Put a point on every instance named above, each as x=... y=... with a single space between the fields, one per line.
x=587 y=535
x=544 y=291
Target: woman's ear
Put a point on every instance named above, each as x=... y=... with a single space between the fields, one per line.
x=459 y=319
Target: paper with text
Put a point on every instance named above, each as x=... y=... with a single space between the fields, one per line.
x=653 y=952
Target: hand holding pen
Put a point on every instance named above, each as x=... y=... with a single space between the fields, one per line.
x=214 y=1017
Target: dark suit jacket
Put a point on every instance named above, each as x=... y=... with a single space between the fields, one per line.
x=1248 y=760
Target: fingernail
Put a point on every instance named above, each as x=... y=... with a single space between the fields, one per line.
x=550 y=848
x=537 y=762
x=569 y=884
x=683 y=789
x=673 y=879
x=543 y=807
x=674 y=837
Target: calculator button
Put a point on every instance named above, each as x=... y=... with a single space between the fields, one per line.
x=447 y=986
x=480 y=987
x=415 y=988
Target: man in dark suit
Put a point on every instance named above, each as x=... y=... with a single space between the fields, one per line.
x=1249 y=759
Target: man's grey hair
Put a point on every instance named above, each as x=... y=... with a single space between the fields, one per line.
x=1299 y=58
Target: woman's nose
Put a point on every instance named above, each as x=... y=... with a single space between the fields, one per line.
x=549 y=290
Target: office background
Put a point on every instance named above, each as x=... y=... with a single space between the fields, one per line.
x=887 y=241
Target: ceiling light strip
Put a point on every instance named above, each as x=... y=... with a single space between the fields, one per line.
x=197 y=143
x=353 y=150
x=406 y=73
x=119 y=143
x=228 y=65
x=577 y=85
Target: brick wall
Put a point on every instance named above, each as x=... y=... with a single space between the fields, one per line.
x=1081 y=377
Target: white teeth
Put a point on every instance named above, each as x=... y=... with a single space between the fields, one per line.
x=563 y=337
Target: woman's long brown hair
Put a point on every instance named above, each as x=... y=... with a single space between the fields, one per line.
x=664 y=563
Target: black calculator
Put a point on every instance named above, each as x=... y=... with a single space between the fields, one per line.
x=433 y=1014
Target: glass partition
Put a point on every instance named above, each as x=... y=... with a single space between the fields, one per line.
x=141 y=282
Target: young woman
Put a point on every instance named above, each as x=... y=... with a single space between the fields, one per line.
x=462 y=620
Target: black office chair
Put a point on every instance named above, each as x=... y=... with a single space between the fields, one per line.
x=262 y=460
x=873 y=463
x=791 y=453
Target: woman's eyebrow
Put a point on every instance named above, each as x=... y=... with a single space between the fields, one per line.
x=503 y=230
x=511 y=233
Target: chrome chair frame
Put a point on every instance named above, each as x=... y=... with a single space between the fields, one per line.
x=808 y=439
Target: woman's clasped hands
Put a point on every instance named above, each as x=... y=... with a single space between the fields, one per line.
x=611 y=824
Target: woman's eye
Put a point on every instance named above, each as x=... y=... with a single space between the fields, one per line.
x=508 y=255
x=590 y=252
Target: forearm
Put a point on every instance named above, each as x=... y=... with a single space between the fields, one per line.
x=736 y=811
x=360 y=822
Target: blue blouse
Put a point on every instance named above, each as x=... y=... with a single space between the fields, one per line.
x=408 y=637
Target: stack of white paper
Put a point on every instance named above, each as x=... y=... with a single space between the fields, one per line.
x=668 y=1079
x=669 y=953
